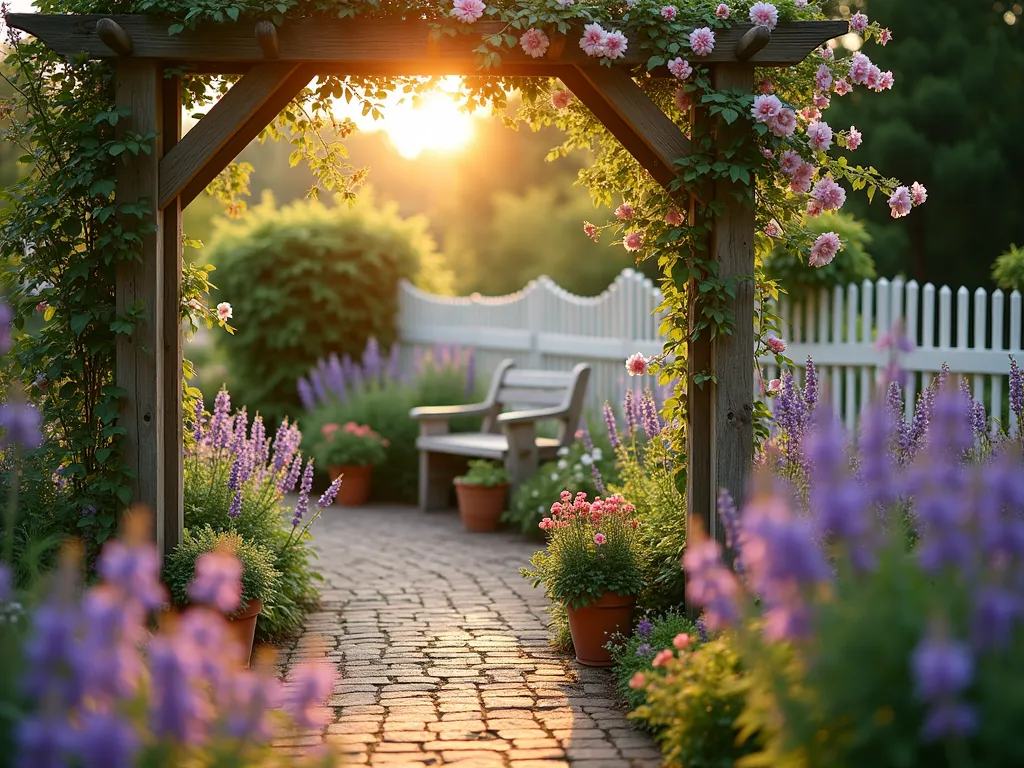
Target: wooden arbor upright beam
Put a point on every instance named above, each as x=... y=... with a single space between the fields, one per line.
x=405 y=44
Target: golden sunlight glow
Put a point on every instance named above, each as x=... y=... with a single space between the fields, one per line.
x=434 y=124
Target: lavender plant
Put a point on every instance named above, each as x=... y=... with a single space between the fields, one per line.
x=94 y=687
x=236 y=479
x=865 y=651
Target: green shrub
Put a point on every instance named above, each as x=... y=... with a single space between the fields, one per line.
x=636 y=653
x=383 y=401
x=1008 y=270
x=853 y=264
x=693 y=703
x=308 y=279
x=351 y=445
x=571 y=471
x=259 y=577
x=484 y=473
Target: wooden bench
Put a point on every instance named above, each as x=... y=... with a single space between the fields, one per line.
x=509 y=437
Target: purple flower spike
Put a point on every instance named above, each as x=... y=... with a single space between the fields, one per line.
x=6 y=317
x=942 y=670
x=329 y=495
x=644 y=628
x=135 y=569
x=306 y=395
x=811 y=385
x=106 y=740
x=198 y=414
x=1017 y=392
x=220 y=430
x=42 y=743
x=649 y=415
x=235 y=509
x=217 y=581
x=613 y=428
x=310 y=685
x=177 y=708
x=632 y=417
x=252 y=698
x=731 y=522
x=21 y=425
x=302 y=505
x=710 y=583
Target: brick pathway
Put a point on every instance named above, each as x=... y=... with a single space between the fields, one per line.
x=443 y=653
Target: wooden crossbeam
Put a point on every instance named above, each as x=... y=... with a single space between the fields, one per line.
x=234 y=121
x=404 y=42
x=647 y=133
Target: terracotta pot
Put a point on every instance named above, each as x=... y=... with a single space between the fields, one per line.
x=243 y=628
x=355 y=487
x=593 y=625
x=480 y=506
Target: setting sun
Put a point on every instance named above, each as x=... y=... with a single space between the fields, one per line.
x=434 y=124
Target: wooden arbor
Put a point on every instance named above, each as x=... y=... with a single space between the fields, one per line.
x=275 y=64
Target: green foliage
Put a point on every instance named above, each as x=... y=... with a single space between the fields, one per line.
x=259 y=577
x=485 y=473
x=352 y=445
x=385 y=406
x=306 y=280
x=693 y=702
x=532 y=500
x=591 y=550
x=853 y=265
x=1008 y=271
x=950 y=122
x=637 y=652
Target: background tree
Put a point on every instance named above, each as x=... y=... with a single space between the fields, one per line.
x=954 y=122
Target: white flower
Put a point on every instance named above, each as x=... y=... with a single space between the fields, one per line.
x=554 y=476
x=541 y=509
x=563 y=451
x=597 y=454
x=224 y=311
x=535 y=493
x=586 y=460
x=563 y=464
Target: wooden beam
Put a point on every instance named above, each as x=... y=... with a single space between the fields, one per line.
x=358 y=40
x=115 y=38
x=230 y=125
x=266 y=36
x=171 y=381
x=139 y=366
x=647 y=133
x=753 y=40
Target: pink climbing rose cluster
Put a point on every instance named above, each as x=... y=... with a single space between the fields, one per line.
x=599 y=42
x=636 y=364
x=702 y=41
x=764 y=15
x=680 y=68
x=468 y=11
x=534 y=43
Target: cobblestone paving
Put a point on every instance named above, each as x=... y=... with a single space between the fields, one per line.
x=443 y=653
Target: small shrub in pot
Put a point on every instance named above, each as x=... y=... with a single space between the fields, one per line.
x=482 y=492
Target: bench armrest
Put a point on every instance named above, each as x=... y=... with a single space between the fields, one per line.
x=445 y=412
x=519 y=417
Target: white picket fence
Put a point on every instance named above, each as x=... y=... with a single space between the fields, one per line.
x=545 y=326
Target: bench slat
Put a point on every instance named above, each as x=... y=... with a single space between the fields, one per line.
x=542 y=379
x=515 y=396
x=485 y=446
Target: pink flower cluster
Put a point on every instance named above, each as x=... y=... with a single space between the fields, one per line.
x=569 y=508
x=680 y=68
x=776 y=345
x=636 y=364
x=597 y=41
x=825 y=249
x=828 y=194
x=702 y=41
x=668 y=12
x=904 y=198
x=468 y=11
x=534 y=42
x=561 y=99
x=819 y=135
x=634 y=241
x=863 y=72
x=768 y=109
x=624 y=212
x=764 y=15
x=722 y=11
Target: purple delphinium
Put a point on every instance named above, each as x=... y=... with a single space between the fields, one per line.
x=290 y=478
x=334 y=377
x=371 y=360
x=644 y=628
x=613 y=428
x=710 y=584
x=136 y=569
x=21 y=425
x=943 y=669
x=316 y=380
x=328 y=496
x=220 y=427
x=649 y=416
x=235 y=508
x=917 y=434
x=198 y=416
x=42 y=742
x=302 y=505
x=310 y=684
x=644 y=649
x=588 y=445
x=730 y=518
x=106 y=740
x=251 y=698
x=629 y=408
x=217 y=581
x=702 y=630
x=178 y=710
x=306 y=395
x=1017 y=393
x=811 y=385
x=791 y=417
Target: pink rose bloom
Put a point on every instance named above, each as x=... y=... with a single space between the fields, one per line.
x=874 y=79
x=776 y=345
x=637 y=681
x=859 y=22
x=826 y=53
x=636 y=364
x=821 y=101
x=767 y=153
x=900 y=202
x=772 y=230
x=224 y=312
x=820 y=136
x=633 y=241
x=600 y=538
x=624 y=212
x=810 y=113
x=813 y=207
x=829 y=194
x=662 y=658
x=534 y=42
x=825 y=249
x=823 y=77
x=885 y=81
x=591 y=230
x=722 y=11
x=774 y=387
x=801 y=181
x=764 y=15
x=860 y=68
x=42 y=306
x=673 y=218
x=593 y=39
x=884 y=36
x=615 y=44
x=784 y=123
x=766 y=107
x=468 y=11
x=682 y=100
x=561 y=99
x=681 y=641
x=842 y=86
x=854 y=138
x=918 y=193
x=790 y=161
x=680 y=68
x=766 y=85
x=702 y=41
x=668 y=12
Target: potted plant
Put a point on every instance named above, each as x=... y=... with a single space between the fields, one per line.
x=204 y=558
x=592 y=566
x=350 y=452
x=481 y=493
